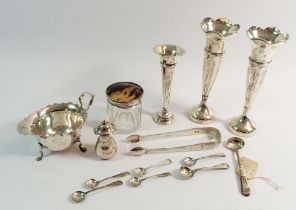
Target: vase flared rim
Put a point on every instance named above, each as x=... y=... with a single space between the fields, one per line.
x=221 y=26
x=168 y=50
x=269 y=35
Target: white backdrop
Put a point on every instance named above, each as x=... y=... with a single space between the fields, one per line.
x=51 y=51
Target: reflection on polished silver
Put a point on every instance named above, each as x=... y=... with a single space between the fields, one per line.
x=188 y=173
x=216 y=31
x=143 y=171
x=264 y=41
x=189 y=161
x=135 y=181
x=57 y=126
x=79 y=196
x=106 y=146
x=235 y=144
x=167 y=54
x=93 y=183
x=211 y=144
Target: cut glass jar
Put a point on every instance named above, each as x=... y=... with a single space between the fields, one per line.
x=124 y=106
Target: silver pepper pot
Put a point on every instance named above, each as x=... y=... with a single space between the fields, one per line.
x=106 y=146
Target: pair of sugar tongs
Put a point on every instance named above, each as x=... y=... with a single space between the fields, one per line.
x=136 y=151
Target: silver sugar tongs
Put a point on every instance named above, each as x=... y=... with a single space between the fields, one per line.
x=188 y=132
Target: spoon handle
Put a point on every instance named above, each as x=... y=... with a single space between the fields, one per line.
x=245 y=189
x=221 y=166
x=137 y=151
x=123 y=174
x=159 y=175
x=161 y=163
x=112 y=184
x=220 y=154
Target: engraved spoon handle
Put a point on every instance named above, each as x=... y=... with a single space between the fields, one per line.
x=123 y=174
x=221 y=166
x=245 y=189
x=161 y=163
x=112 y=184
x=114 y=176
x=220 y=154
x=165 y=174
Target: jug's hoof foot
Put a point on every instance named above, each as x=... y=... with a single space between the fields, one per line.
x=41 y=152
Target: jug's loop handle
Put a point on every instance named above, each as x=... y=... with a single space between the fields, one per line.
x=91 y=96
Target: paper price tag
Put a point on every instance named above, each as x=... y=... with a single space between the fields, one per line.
x=249 y=167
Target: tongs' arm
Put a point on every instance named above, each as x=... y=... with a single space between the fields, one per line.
x=187 y=132
x=192 y=147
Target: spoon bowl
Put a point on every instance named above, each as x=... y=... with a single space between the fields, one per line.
x=78 y=196
x=141 y=171
x=186 y=172
x=135 y=181
x=235 y=143
x=91 y=183
x=189 y=161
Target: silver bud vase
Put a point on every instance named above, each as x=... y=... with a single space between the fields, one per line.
x=216 y=32
x=167 y=54
x=264 y=41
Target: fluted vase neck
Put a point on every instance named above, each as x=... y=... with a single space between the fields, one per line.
x=264 y=41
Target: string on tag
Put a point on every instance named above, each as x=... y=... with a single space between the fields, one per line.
x=270 y=182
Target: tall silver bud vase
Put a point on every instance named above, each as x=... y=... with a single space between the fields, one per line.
x=264 y=41
x=216 y=32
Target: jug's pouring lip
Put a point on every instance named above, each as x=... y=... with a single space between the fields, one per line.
x=33 y=123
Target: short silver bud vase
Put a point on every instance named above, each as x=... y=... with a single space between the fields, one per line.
x=167 y=54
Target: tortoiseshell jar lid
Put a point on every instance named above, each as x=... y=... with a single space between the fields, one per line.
x=124 y=94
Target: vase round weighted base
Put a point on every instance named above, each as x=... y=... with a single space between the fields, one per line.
x=242 y=126
x=201 y=114
x=164 y=118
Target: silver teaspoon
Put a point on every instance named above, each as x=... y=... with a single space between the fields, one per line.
x=143 y=171
x=136 y=181
x=79 y=196
x=188 y=173
x=235 y=144
x=189 y=161
x=93 y=183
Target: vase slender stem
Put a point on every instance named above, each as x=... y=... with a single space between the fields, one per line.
x=167 y=77
x=167 y=55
